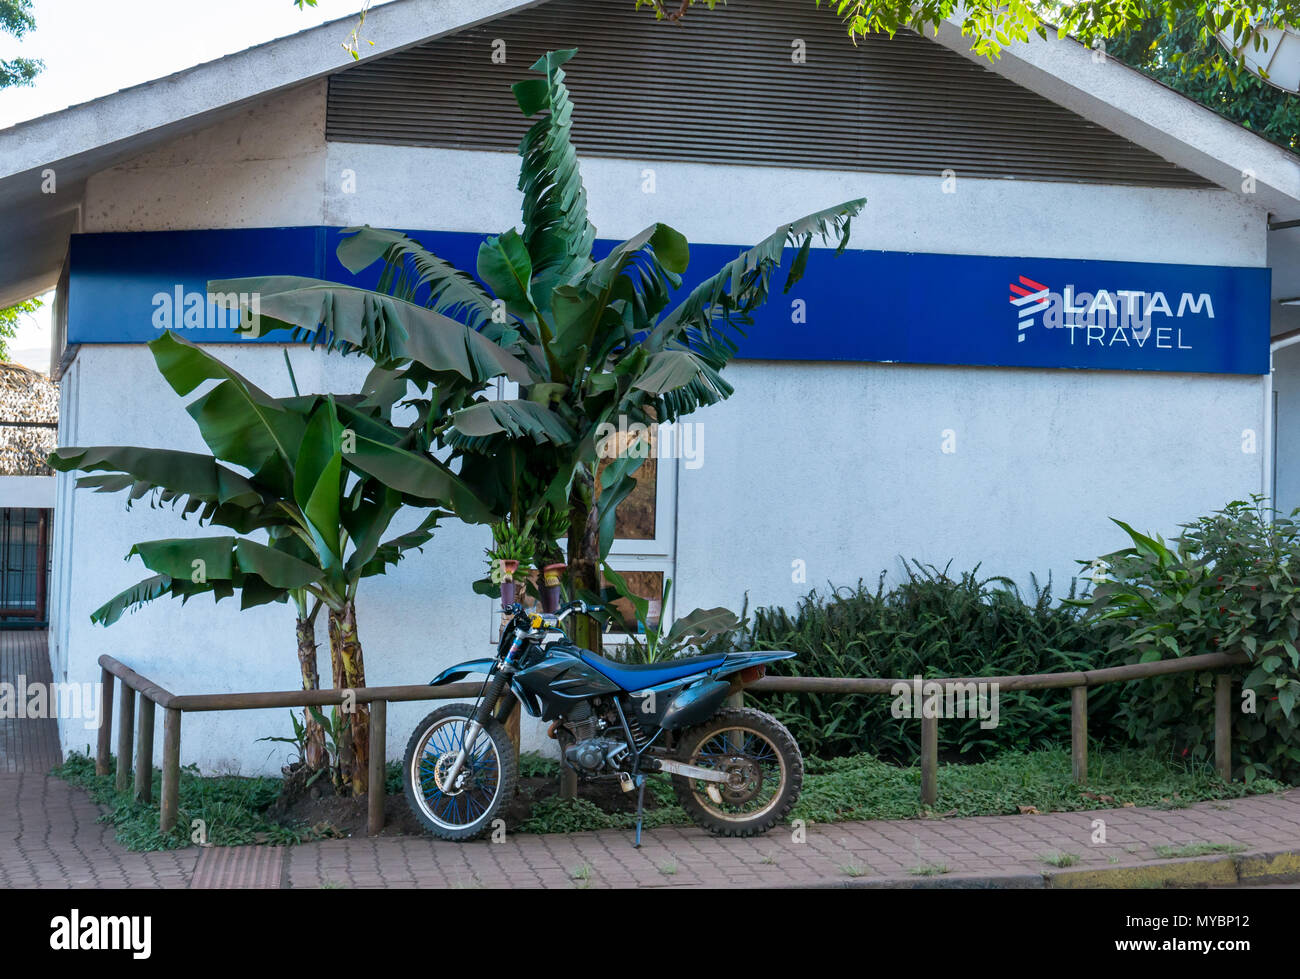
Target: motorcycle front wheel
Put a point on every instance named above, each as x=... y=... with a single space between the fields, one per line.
x=764 y=771
x=466 y=809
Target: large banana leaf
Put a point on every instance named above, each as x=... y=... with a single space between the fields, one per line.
x=637 y=275
x=617 y=481
x=700 y=625
x=240 y=422
x=143 y=592
x=318 y=483
x=515 y=418
x=216 y=565
x=742 y=285
x=409 y=267
x=422 y=479
x=385 y=328
x=184 y=474
x=556 y=229
x=207 y=559
x=682 y=381
x=505 y=265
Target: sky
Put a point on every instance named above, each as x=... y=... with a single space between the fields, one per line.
x=95 y=47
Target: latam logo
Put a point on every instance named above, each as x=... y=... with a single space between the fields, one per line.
x=1125 y=317
x=1030 y=298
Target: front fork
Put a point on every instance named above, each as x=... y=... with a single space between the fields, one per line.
x=497 y=685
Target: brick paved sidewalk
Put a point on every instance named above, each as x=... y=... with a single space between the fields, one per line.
x=985 y=847
x=49 y=838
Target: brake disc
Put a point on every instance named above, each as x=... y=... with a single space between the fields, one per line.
x=442 y=768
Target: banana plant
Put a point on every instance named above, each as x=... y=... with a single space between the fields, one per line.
x=657 y=642
x=327 y=479
x=589 y=340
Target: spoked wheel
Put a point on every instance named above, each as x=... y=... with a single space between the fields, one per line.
x=763 y=766
x=463 y=809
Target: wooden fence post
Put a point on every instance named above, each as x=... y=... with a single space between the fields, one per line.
x=125 y=736
x=144 y=751
x=1223 y=725
x=171 y=768
x=105 y=722
x=1079 y=734
x=929 y=753
x=378 y=767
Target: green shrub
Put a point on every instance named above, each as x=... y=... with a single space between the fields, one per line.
x=1230 y=581
x=931 y=625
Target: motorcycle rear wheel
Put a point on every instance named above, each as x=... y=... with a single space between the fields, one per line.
x=467 y=810
x=764 y=763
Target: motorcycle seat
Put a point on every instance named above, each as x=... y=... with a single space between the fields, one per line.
x=639 y=676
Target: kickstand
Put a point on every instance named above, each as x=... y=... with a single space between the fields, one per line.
x=640 y=809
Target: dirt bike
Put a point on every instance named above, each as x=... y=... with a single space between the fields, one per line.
x=736 y=771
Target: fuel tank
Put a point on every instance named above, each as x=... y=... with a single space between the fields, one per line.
x=552 y=683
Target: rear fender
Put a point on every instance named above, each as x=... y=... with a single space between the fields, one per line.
x=737 y=663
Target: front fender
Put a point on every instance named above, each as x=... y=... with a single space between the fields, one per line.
x=454 y=673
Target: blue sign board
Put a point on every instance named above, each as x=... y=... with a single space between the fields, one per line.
x=887 y=307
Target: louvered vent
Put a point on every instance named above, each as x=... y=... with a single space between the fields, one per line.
x=722 y=87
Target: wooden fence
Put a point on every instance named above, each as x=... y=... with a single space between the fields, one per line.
x=136 y=728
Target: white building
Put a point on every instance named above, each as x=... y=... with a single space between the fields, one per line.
x=906 y=408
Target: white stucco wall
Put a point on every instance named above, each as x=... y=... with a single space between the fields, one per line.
x=843 y=468
x=36 y=492
x=261 y=169
x=840 y=465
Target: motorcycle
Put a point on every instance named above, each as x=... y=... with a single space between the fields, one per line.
x=736 y=771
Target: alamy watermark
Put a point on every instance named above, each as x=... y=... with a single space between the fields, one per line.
x=946 y=698
x=40 y=701
x=676 y=440
x=181 y=310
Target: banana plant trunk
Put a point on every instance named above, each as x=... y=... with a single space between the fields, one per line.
x=584 y=555
x=345 y=653
x=314 y=753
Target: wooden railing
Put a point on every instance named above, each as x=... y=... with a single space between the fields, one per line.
x=1077 y=682
x=136 y=733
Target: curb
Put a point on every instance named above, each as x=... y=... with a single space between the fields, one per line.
x=1235 y=870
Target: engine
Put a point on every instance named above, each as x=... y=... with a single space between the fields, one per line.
x=595 y=756
x=587 y=751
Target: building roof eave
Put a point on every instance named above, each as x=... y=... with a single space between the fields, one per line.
x=1125 y=101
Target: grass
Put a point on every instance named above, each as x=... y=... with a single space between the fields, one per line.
x=862 y=787
x=859 y=787
x=1060 y=859
x=855 y=870
x=928 y=869
x=232 y=808
x=534 y=765
x=668 y=868
x=1196 y=850
x=581 y=872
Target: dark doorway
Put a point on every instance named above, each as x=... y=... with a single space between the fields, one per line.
x=25 y=553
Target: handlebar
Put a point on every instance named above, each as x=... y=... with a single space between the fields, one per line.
x=530 y=621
